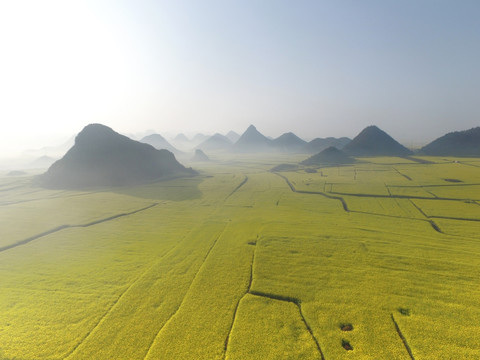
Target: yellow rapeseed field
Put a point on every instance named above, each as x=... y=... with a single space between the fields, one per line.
x=375 y=260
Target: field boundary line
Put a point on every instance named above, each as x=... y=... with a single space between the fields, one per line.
x=434 y=185
x=453 y=218
x=428 y=218
x=238 y=187
x=113 y=217
x=298 y=303
x=402 y=174
x=443 y=217
x=464 y=163
x=133 y=283
x=66 y=226
x=58 y=196
x=31 y=238
x=342 y=200
x=186 y=292
x=249 y=286
x=415 y=197
x=345 y=206
x=109 y=311
x=419 y=161
x=404 y=340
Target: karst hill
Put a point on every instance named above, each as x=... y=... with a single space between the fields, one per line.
x=372 y=141
x=252 y=141
x=457 y=143
x=102 y=157
x=329 y=156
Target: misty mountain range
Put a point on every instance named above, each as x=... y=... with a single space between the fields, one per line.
x=371 y=141
x=102 y=157
x=250 y=141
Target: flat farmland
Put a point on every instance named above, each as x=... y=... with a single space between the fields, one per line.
x=374 y=260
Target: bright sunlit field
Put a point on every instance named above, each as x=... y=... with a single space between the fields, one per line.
x=377 y=260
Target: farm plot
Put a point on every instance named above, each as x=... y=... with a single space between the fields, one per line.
x=236 y=264
x=307 y=181
x=410 y=191
x=369 y=179
x=270 y=329
x=466 y=191
x=449 y=209
x=360 y=188
x=440 y=174
x=19 y=222
x=113 y=271
x=464 y=229
x=387 y=160
x=383 y=206
x=363 y=282
x=209 y=307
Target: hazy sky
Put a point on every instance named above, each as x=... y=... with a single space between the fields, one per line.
x=317 y=68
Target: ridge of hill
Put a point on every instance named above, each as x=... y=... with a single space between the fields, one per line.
x=330 y=156
x=319 y=144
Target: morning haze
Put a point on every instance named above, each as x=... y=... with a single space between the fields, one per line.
x=316 y=68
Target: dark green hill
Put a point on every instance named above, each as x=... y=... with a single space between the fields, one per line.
x=329 y=156
x=374 y=142
x=102 y=157
x=458 y=143
x=252 y=141
x=289 y=142
x=319 y=144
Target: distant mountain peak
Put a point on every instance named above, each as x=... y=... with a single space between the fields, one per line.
x=252 y=140
x=159 y=142
x=93 y=133
x=215 y=142
x=181 y=137
x=232 y=136
x=319 y=144
x=373 y=141
x=289 y=142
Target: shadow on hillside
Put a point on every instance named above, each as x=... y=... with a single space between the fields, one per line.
x=174 y=190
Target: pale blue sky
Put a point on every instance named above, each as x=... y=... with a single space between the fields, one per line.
x=317 y=68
